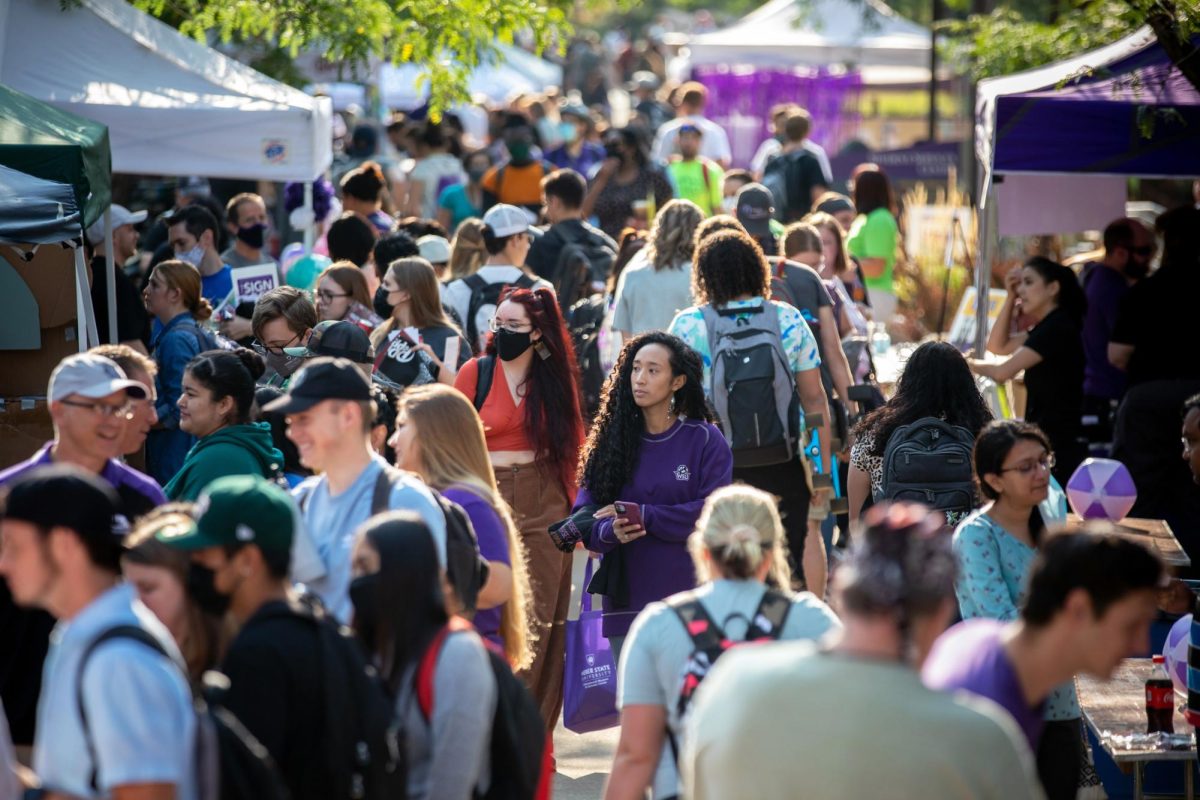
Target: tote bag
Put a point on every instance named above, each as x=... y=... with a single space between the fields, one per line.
x=590 y=672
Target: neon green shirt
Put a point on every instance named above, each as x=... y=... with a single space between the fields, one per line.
x=689 y=179
x=874 y=235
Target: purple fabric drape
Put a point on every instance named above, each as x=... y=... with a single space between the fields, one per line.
x=741 y=102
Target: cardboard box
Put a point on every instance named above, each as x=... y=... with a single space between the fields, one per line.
x=25 y=373
x=24 y=427
x=50 y=276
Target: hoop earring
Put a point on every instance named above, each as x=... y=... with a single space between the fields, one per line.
x=671 y=405
x=541 y=349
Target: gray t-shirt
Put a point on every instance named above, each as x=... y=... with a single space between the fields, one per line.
x=647 y=299
x=658 y=648
x=234 y=259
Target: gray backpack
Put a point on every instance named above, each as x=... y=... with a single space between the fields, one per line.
x=753 y=389
x=929 y=461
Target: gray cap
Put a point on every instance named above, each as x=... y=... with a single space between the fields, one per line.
x=91 y=376
x=434 y=249
x=120 y=216
x=506 y=220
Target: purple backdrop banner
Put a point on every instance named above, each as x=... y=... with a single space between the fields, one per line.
x=741 y=102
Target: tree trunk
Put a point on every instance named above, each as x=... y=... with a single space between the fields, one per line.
x=1161 y=17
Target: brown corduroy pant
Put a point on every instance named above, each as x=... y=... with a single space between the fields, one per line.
x=537 y=500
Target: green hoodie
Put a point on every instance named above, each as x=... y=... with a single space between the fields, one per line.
x=235 y=450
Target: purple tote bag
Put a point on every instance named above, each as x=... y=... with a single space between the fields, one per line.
x=590 y=676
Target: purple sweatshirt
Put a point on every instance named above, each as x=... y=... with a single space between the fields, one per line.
x=493 y=546
x=676 y=473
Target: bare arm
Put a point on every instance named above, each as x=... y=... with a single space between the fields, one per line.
x=412 y=203
x=835 y=357
x=642 y=730
x=1001 y=340
x=498 y=588
x=603 y=175
x=1119 y=355
x=858 y=486
x=443 y=219
x=1007 y=369
x=145 y=791
x=873 y=267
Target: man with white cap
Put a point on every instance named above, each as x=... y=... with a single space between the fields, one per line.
x=435 y=250
x=506 y=236
x=133 y=323
x=90 y=401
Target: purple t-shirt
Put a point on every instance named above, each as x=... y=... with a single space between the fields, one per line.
x=1104 y=288
x=493 y=546
x=971 y=656
x=676 y=472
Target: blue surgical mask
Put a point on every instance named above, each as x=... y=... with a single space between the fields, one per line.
x=193 y=256
x=568 y=132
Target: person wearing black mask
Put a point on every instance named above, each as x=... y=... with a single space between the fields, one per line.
x=246 y=219
x=388 y=249
x=629 y=187
x=517 y=181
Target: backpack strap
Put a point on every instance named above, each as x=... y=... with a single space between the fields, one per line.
x=382 y=490
x=132 y=632
x=770 y=616
x=707 y=637
x=427 y=667
x=485 y=374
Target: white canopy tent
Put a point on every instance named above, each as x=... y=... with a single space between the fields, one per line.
x=785 y=33
x=516 y=71
x=173 y=106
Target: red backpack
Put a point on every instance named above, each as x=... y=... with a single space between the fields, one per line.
x=522 y=755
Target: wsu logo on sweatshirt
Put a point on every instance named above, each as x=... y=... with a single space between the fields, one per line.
x=682 y=473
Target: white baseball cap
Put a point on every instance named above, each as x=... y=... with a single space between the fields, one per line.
x=120 y=216
x=506 y=220
x=434 y=249
x=91 y=376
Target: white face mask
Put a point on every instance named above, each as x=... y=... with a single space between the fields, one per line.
x=193 y=256
x=729 y=204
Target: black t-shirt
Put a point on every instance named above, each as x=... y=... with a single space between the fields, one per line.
x=276 y=690
x=399 y=365
x=811 y=295
x=1158 y=319
x=546 y=249
x=1054 y=387
x=133 y=321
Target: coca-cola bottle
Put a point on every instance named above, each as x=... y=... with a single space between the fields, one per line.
x=1160 y=699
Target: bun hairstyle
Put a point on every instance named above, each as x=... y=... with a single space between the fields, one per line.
x=740 y=529
x=233 y=374
x=185 y=279
x=468 y=251
x=365 y=182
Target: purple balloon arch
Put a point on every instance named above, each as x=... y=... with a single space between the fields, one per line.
x=741 y=103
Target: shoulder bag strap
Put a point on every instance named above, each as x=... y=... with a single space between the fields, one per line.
x=485 y=373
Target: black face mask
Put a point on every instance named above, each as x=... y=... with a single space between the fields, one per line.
x=510 y=345
x=381 y=305
x=253 y=235
x=612 y=149
x=201 y=587
x=364 y=596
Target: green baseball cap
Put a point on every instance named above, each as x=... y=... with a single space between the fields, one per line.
x=234 y=510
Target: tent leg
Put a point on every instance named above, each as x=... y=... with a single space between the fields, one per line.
x=110 y=277
x=83 y=304
x=310 y=233
x=983 y=267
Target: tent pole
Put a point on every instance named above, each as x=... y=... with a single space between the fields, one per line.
x=983 y=267
x=310 y=233
x=110 y=277
x=83 y=303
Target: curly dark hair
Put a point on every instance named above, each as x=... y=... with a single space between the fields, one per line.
x=552 y=406
x=936 y=383
x=729 y=264
x=614 y=444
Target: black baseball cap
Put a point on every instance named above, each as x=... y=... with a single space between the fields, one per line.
x=320 y=380
x=755 y=205
x=336 y=339
x=65 y=496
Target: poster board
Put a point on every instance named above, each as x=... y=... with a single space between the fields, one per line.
x=250 y=283
x=962 y=330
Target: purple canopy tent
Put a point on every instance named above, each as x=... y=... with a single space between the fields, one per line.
x=1026 y=124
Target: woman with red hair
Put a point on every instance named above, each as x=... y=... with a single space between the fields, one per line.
x=526 y=390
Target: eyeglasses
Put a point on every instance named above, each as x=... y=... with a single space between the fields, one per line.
x=512 y=327
x=123 y=411
x=329 y=297
x=1046 y=462
x=263 y=349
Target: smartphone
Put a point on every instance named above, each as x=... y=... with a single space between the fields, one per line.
x=630 y=512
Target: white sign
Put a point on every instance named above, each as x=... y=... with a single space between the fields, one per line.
x=962 y=331
x=250 y=283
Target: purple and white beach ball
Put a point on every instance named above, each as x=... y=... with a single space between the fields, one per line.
x=1175 y=653
x=1101 y=489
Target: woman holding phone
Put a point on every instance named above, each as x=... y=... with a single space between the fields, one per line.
x=651 y=459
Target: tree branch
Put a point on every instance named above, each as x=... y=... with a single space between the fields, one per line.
x=1161 y=17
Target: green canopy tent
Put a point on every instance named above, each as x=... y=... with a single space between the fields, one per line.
x=55 y=170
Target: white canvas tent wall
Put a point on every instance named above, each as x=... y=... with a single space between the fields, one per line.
x=516 y=71
x=172 y=105
x=787 y=33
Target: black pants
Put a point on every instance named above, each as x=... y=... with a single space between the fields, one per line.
x=788 y=483
x=1059 y=759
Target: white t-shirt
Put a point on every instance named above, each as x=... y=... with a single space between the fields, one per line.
x=431 y=171
x=714 y=144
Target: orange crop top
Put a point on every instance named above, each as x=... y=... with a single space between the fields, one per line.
x=503 y=420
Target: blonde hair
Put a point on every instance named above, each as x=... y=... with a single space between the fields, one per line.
x=672 y=239
x=740 y=529
x=185 y=279
x=454 y=453
x=349 y=279
x=468 y=252
x=416 y=276
x=822 y=221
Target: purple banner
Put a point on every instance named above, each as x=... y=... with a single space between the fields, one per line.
x=741 y=103
x=917 y=163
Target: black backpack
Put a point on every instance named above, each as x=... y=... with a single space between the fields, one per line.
x=581 y=262
x=929 y=461
x=484 y=294
x=783 y=176
x=230 y=763
x=584 y=320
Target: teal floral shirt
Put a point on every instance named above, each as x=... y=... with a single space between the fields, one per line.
x=798 y=341
x=993 y=567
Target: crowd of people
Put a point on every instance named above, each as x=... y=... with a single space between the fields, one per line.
x=350 y=532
